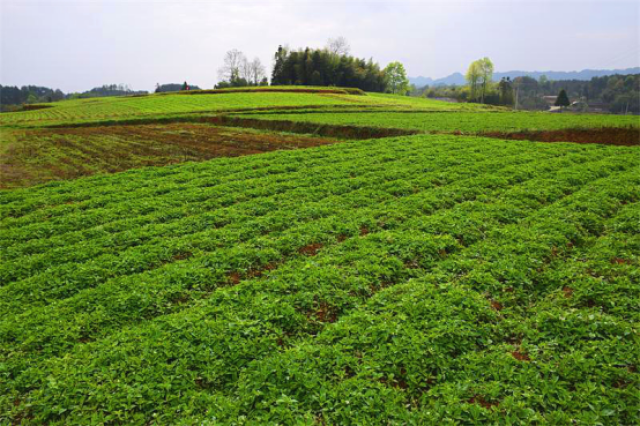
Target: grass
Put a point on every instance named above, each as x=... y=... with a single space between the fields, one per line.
x=418 y=279
x=158 y=105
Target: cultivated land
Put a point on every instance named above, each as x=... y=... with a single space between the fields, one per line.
x=401 y=269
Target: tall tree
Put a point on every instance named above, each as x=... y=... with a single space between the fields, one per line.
x=473 y=76
x=397 y=78
x=278 y=73
x=231 y=68
x=562 y=100
x=486 y=74
x=505 y=88
x=256 y=72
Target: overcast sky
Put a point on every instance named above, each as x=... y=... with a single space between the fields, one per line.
x=77 y=45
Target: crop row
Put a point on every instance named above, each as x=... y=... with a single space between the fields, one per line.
x=251 y=233
x=320 y=311
x=78 y=266
x=200 y=353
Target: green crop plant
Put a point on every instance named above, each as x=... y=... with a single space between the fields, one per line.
x=414 y=280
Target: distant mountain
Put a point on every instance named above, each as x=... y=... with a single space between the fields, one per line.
x=458 y=79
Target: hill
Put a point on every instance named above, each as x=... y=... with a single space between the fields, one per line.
x=584 y=75
x=382 y=260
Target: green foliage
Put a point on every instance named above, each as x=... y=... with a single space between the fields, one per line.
x=479 y=76
x=173 y=87
x=427 y=279
x=325 y=68
x=563 y=99
x=423 y=279
x=12 y=96
x=397 y=78
x=467 y=119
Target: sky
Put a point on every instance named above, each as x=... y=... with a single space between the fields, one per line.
x=76 y=45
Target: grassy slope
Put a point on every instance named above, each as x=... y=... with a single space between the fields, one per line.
x=127 y=108
x=122 y=108
x=415 y=280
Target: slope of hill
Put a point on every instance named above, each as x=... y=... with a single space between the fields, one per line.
x=417 y=279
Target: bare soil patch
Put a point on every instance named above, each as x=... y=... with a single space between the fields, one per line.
x=628 y=136
x=36 y=156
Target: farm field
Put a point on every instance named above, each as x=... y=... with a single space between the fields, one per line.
x=462 y=121
x=428 y=278
x=171 y=105
x=39 y=155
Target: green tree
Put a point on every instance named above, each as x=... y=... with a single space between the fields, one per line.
x=563 y=99
x=486 y=74
x=473 y=77
x=323 y=67
x=505 y=88
x=397 y=78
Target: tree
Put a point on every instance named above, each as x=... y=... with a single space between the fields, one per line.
x=479 y=76
x=486 y=74
x=562 y=100
x=230 y=70
x=338 y=46
x=473 y=76
x=278 y=74
x=397 y=78
x=256 y=72
x=505 y=89
x=251 y=72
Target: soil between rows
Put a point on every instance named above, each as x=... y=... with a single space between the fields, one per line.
x=628 y=136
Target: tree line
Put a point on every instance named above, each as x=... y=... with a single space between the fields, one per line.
x=174 y=87
x=323 y=67
x=331 y=65
x=12 y=96
x=614 y=93
x=107 y=90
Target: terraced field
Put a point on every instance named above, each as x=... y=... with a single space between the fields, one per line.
x=39 y=155
x=458 y=121
x=417 y=279
x=116 y=109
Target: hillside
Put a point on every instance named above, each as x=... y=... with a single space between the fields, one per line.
x=363 y=259
x=584 y=75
